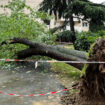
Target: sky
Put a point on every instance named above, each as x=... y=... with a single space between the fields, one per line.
x=97 y=1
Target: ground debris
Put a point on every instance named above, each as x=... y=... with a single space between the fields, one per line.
x=70 y=99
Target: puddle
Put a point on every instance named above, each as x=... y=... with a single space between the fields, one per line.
x=28 y=80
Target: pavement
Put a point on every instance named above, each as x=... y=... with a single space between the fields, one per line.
x=25 y=79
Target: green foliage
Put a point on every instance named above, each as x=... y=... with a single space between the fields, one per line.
x=85 y=39
x=101 y=33
x=20 y=24
x=54 y=6
x=64 y=8
x=94 y=12
x=94 y=26
x=65 y=36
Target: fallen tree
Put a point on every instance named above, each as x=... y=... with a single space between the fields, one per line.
x=55 y=52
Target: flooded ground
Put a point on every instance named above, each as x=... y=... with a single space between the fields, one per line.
x=28 y=80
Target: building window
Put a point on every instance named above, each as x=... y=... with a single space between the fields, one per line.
x=84 y=24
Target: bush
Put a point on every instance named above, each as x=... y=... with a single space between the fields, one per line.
x=65 y=36
x=101 y=33
x=19 y=24
x=84 y=40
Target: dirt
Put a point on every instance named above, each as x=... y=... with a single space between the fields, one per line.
x=70 y=99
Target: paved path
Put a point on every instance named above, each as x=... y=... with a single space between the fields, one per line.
x=27 y=80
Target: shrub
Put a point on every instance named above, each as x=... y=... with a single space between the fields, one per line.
x=84 y=40
x=101 y=33
x=20 y=24
x=65 y=36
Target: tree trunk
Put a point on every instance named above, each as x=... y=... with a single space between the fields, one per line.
x=72 y=28
x=92 y=90
x=72 y=21
x=55 y=52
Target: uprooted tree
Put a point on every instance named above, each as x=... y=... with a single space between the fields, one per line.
x=92 y=87
x=93 y=83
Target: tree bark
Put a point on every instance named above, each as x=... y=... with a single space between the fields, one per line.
x=55 y=52
x=72 y=28
x=72 y=21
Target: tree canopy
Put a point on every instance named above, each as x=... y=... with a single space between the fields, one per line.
x=93 y=13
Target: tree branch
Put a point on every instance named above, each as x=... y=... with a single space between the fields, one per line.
x=55 y=52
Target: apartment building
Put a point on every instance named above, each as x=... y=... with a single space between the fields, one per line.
x=79 y=25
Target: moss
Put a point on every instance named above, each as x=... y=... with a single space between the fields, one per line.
x=84 y=70
x=90 y=52
x=91 y=49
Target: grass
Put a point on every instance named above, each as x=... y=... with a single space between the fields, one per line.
x=66 y=69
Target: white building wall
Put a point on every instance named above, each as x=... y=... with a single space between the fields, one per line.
x=32 y=3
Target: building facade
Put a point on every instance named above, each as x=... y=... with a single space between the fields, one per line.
x=79 y=25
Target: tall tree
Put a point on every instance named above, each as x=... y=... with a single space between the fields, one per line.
x=69 y=9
